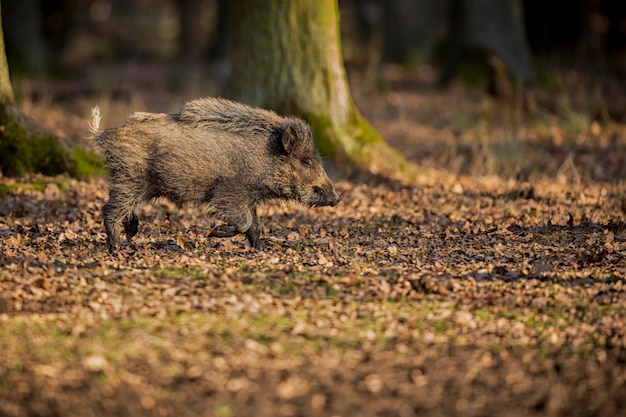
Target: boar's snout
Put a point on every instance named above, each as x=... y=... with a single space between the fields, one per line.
x=335 y=200
x=325 y=197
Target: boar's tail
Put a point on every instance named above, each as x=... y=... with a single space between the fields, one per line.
x=94 y=125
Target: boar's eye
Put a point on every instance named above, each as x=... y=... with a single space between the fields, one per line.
x=307 y=163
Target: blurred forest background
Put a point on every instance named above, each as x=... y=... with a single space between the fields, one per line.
x=60 y=36
x=538 y=57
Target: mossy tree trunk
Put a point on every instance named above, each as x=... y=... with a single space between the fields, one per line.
x=6 y=91
x=286 y=55
x=24 y=145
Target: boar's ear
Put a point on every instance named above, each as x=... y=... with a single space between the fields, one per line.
x=289 y=139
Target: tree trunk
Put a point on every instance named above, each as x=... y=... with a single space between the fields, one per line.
x=6 y=91
x=412 y=29
x=23 y=26
x=286 y=55
x=24 y=146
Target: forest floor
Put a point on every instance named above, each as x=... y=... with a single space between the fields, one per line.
x=493 y=285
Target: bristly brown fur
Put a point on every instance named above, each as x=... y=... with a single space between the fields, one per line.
x=217 y=152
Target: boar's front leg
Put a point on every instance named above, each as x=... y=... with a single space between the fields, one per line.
x=253 y=233
x=247 y=223
x=114 y=216
x=118 y=213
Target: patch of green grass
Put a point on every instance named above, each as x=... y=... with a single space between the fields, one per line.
x=128 y=323
x=318 y=280
x=420 y=325
x=495 y=348
x=193 y=273
x=38 y=185
x=483 y=314
x=227 y=336
x=223 y=410
x=253 y=287
x=441 y=326
x=9 y=188
x=261 y=321
x=299 y=247
x=531 y=213
x=286 y=287
x=265 y=339
x=102 y=379
x=369 y=323
x=6 y=386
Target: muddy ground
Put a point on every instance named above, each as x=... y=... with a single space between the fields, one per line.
x=492 y=285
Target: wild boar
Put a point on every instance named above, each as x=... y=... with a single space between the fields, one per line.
x=215 y=152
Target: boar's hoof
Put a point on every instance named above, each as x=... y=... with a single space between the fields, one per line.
x=111 y=247
x=255 y=241
x=131 y=226
x=224 y=230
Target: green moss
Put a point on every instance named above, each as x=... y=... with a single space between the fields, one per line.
x=322 y=131
x=347 y=142
x=26 y=148
x=363 y=132
x=86 y=164
x=20 y=153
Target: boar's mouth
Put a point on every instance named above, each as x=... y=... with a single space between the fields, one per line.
x=322 y=199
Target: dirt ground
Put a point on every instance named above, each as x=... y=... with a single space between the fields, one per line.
x=493 y=285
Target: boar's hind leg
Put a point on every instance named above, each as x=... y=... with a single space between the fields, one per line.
x=131 y=225
x=253 y=234
x=247 y=223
